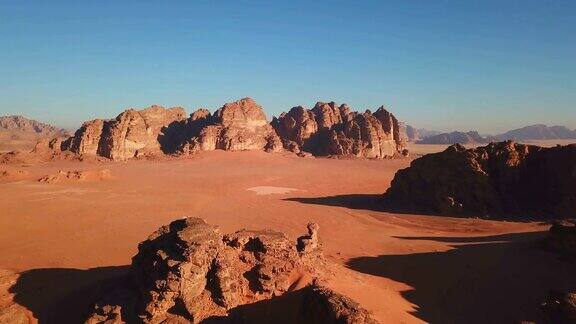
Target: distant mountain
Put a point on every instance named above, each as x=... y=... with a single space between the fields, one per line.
x=21 y=133
x=414 y=134
x=23 y=124
x=455 y=137
x=538 y=132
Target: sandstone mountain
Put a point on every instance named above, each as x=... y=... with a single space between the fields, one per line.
x=188 y=272
x=20 y=133
x=240 y=125
x=503 y=180
x=471 y=137
x=326 y=130
x=329 y=129
x=133 y=133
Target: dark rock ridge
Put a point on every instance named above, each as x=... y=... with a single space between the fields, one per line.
x=503 y=180
x=471 y=137
x=329 y=129
x=560 y=306
x=562 y=238
x=241 y=125
x=188 y=272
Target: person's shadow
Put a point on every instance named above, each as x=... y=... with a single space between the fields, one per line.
x=494 y=279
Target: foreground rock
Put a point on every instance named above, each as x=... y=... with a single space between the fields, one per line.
x=562 y=238
x=188 y=272
x=332 y=130
x=503 y=180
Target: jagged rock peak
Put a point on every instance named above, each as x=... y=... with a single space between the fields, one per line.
x=329 y=129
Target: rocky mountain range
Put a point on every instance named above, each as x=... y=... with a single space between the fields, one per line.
x=532 y=132
x=538 y=132
x=21 y=133
x=327 y=129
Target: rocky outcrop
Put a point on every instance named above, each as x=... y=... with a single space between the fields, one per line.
x=188 y=272
x=325 y=130
x=503 y=180
x=332 y=130
x=240 y=125
x=322 y=305
x=133 y=133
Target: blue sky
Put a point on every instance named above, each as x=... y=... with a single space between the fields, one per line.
x=447 y=65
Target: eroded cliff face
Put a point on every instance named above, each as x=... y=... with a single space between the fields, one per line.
x=240 y=125
x=325 y=130
x=133 y=133
x=503 y=180
x=329 y=129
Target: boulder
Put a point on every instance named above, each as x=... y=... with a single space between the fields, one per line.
x=502 y=180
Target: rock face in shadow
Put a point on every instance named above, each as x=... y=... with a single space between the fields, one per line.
x=240 y=125
x=503 y=180
x=332 y=130
x=562 y=238
x=187 y=271
x=560 y=306
x=133 y=133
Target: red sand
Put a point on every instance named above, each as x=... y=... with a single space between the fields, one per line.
x=403 y=268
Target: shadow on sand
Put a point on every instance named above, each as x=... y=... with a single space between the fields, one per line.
x=494 y=279
x=62 y=295
x=352 y=201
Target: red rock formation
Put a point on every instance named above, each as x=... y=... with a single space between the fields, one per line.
x=188 y=271
x=325 y=130
x=331 y=130
x=239 y=125
x=133 y=133
x=502 y=180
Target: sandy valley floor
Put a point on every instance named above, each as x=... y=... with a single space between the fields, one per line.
x=64 y=237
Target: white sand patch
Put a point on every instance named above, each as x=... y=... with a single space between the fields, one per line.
x=269 y=190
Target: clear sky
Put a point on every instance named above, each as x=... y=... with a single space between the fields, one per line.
x=447 y=65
